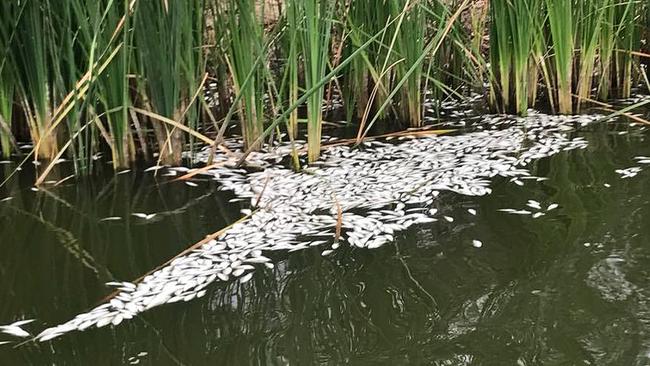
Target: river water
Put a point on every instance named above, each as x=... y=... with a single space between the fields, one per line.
x=568 y=288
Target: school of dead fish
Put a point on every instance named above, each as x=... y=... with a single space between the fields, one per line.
x=378 y=190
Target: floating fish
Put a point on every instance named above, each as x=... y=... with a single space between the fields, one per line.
x=144 y=215
x=111 y=218
x=534 y=204
x=362 y=197
x=15 y=331
x=154 y=168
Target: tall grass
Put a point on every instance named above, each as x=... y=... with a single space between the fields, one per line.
x=36 y=81
x=78 y=77
x=169 y=37
x=514 y=36
x=589 y=43
x=6 y=81
x=560 y=19
x=315 y=46
x=409 y=44
x=244 y=34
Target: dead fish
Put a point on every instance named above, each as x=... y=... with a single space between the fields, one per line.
x=154 y=168
x=144 y=215
x=552 y=207
x=14 y=331
x=246 y=277
x=111 y=218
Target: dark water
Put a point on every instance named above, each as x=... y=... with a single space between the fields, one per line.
x=570 y=288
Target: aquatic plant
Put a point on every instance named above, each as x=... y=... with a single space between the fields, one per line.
x=130 y=76
x=315 y=45
x=169 y=37
x=244 y=35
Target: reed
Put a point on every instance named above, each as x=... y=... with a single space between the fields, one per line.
x=244 y=43
x=6 y=82
x=514 y=35
x=626 y=40
x=168 y=38
x=113 y=89
x=35 y=82
x=315 y=46
x=409 y=44
x=591 y=16
x=560 y=19
x=125 y=76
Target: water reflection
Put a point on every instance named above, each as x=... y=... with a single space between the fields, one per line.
x=534 y=294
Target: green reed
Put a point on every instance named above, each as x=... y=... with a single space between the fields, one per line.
x=409 y=45
x=561 y=24
x=590 y=43
x=6 y=81
x=168 y=38
x=513 y=38
x=315 y=46
x=128 y=77
x=243 y=32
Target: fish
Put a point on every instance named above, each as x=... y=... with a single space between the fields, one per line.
x=111 y=218
x=14 y=331
x=381 y=189
x=144 y=215
x=246 y=278
x=20 y=323
x=552 y=207
x=154 y=168
x=534 y=204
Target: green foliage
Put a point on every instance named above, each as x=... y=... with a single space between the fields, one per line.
x=590 y=43
x=76 y=74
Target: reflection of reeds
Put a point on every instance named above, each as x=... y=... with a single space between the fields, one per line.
x=78 y=84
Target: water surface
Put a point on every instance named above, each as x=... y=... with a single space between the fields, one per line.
x=569 y=288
